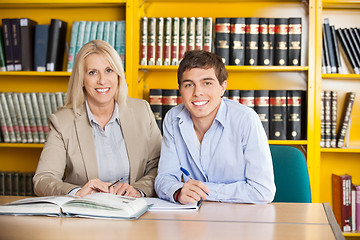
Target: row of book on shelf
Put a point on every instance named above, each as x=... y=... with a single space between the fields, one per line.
x=238 y=41
x=16 y=183
x=346 y=202
x=349 y=48
x=332 y=135
x=26 y=45
x=282 y=112
x=24 y=116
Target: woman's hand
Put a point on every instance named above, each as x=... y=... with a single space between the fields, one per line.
x=126 y=189
x=93 y=186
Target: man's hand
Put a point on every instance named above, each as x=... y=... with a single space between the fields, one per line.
x=192 y=191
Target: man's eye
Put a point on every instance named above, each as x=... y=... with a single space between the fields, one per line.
x=188 y=85
x=207 y=83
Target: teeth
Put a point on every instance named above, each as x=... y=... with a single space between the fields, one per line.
x=102 y=89
x=200 y=103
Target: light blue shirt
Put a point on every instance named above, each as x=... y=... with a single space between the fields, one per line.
x=233 y=159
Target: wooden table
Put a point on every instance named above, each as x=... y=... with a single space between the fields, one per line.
x=213 y=221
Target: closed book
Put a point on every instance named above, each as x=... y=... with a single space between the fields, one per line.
x=8 y=183
x=281 y=42
x=14 y=120
x=237 y=41
x=40 y=46
x=15 y=184
x=8 y=119
x=175 y=41
x=16 y=44
x=357 y=224
x=247 y=98
x=336 y=48
x=234 y=95
x=27 y=33
x=27 y=127
x=277 y=115
x=88 y=31
x=29 y=184
x=322 y=119
x=72 y=45
x=347 y=49
x=169 y=100
x=344 y=124
x=354 y=41
x=36 y=109
x=159 y=49
x=327 y=112
x=120 y=40
x=2 y=54
x=56 y=45
x=106 y=35
x=155 y=97
x=295 y=103
x=199 y=33
x=251 y=41
x=22 y=184
x=264 y=43
x=43 y=114
x=294 y=51
x=182 y=37
x=94 y=27
x=112 y=33
x=226 y=94
x=100 y=30
x=333 y=118
x=151 y=41
x=326 y=58
x=143 y=41
x=208 y=34
x=191 y=34
x=330 y=45
x=341 y=193
x=179 y=98
x=2 y=183
x=19 y=117
x=4 y=129
x=271 y=40
x=222 y=39
x=261 y=107
x=7 y=40
x=167 y=41
x=31 y=116
x=80 y=36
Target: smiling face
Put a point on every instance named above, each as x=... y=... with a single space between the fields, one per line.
x=100 y=81
x=201 y=93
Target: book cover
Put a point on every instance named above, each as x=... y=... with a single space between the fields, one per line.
x=247 y=98
x=294 y=114
x=169 y=100
x=43 y=114
x=251 y=41
x=8 y=120
x=151 y=43
x=56 y=45
x=4 y=128
x=336 y=50
x=341 y=194
x=182 y=37
x=222 y=39
x=191 y=34
x=27 y=31
x=208 y=34
x=143 y=41
x=167 y=41
x=352 y=46
x=264 y=43
x=175 y=41
x=7 y=40
x=40 y=46
x=355 y=41
x=281 y=42
x=357 y=224
x=294 y=51
x=234 y=95
x=277 y=115
x=155 y=101
x=106 y=34
x=13 y=117
x=199 y=33
x=2 y=54
x=27 y=127
x=19 y=117
x=72 y=45
x=100 y=30
x=261 y=107
x=31 y=117
x=345 y=118
x=237 y=41
x=325 y=59
x=37 y=116
x=16 y=44
x=112 y=33
x=322 y=119
x=333 y=118
x=327 y=112
x=330 y=45
x=120 y=40
x=159 y=41
x=347 y=50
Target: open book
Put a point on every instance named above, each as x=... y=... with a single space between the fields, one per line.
x=97 y=205
x=158 y=204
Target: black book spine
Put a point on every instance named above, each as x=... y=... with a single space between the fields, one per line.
x=294 y=114
x=6 y=28
x=322 y=120
x=295 y=31
x=8 y=183
x=155 y=98
x=277 y=115
x=169 y=100
x=261 y=107
x=264 y=42
x=347 y=50
x=27 y=30
x=352 y=46
x=354 y=41
x=326 y=58
x=222 y=39
x=56 y=45
x=234 y=95
x=247 y=98
x=345 y=118
x=330 y=45
x=237 y=41
x=333 y=118
x=251 y=41
x=281 y=41
x=336 y=48
x=327 y=112
x=40 y=47
x=16 y=47
x=271 y=40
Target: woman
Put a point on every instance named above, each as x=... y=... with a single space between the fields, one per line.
x=101 y=135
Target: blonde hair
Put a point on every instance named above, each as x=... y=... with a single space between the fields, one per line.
x=76 y=94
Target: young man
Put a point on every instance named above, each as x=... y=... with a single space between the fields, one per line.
x=220 y=143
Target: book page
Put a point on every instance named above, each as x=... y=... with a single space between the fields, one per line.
x=164 y=205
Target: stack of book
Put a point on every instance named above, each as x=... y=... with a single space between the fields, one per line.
x=16 y=183
x=24 y=116
x=259 y=41
x=282 y=112
x=333 y=136
x=349 y=39
x=112 y=32
x=346 y=202
x=28 y=46
x=164 y=40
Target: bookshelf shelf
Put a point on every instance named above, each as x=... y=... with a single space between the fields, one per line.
x=341 y=150
x=341 y=76
x=37 y=74
x=22 y=145
x=288 y=142
x=233 y=68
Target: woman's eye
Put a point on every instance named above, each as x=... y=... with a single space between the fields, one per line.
x=92 y=72
x=109 y=70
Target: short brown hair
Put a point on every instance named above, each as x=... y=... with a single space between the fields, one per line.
x=205 y=60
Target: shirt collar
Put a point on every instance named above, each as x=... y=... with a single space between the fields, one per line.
x=114 y=117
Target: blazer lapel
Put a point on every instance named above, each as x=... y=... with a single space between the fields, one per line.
x=86 y=144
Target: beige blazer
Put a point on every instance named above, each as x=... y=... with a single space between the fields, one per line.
x=68 y=159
